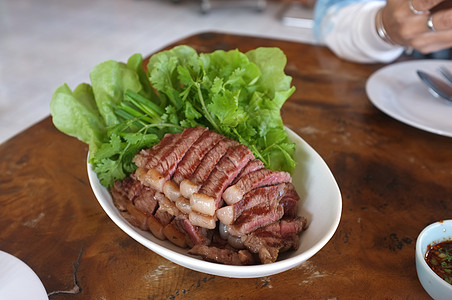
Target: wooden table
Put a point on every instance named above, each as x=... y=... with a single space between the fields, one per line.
x=394 y=179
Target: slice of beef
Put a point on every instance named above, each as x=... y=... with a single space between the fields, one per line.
x=225 y=171
x=135 y=217
x=167 y=164
x=163 y=216
x=254 y=218
x=205 y=167
x=210 y=160
x=166 y=210
x=195 y=154
x=251 y=166
x=146 y=201
x=149 y=158
x=275 y=238
x=265 y=221
x=286 y=227
x=134 y=189
x=259 y=178
x=120 y=193
x=224 y=256
x=160 y=168
x=290 y=201
x=196 y=235
x=268 y=195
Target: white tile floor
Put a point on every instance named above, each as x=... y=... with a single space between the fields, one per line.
x=46 y=43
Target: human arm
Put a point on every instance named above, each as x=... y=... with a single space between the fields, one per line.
x=348 y=27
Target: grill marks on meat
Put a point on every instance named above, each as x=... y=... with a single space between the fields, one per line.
x=178 y=190
x=251 y=166
x=160 y=167
x=275 y=238
x=268 y=195
x=195 y=154
x=192 y=184
x=255 y=218
x=149 y=158
x=207 y=200
x=225 y=171
x=167 y=165
x=252 y=180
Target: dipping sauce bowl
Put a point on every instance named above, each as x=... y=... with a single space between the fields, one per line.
x=433 y=284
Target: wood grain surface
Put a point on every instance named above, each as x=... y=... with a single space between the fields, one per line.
x=394 y=179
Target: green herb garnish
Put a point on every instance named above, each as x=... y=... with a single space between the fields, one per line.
x=127 y=107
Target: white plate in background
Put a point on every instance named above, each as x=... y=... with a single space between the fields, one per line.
x=321 y=204
x=398 y=91
x=18 y=281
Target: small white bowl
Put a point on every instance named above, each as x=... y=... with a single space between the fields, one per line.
x=434 y=285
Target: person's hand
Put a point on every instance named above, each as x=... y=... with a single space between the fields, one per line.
x=425 y=25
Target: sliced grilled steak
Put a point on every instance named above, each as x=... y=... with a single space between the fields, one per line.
x=149 y=158
x=268 y=195
x=135 y=189
x=197 y=235
x=275 y=238
x=120 y=193
x=208 y=163
x=156 y=173
x=224 y=256
x=251 y=166
x=167 y=165
x=210 y=160
x=146 y=201
x=225 y=171
x=290 y=201
x=261 y=177
x=166 y=210
x=205 y=168
x=195 y=154
x=254 y=218
x=163 y=216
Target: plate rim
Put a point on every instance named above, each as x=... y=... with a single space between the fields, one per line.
x=35 y=287
x=390 y=111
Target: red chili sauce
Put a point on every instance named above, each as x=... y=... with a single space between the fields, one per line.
x=439 y=259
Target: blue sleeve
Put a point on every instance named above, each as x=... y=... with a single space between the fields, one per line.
x=320 y=10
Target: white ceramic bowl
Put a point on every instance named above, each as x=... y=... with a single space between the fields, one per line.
x=321 y=204
x=434 y=285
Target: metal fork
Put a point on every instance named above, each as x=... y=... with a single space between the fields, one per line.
x=446 y=73
x=437 y=86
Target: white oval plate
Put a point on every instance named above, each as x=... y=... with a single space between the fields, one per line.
x=398 y=91
x=321 y=204
x=18 y=281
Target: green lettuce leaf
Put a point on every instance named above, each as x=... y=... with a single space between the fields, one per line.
x=128 y=107
x=75 y=113
x=110 y=80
